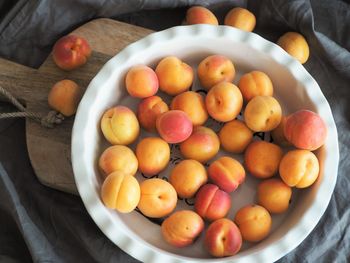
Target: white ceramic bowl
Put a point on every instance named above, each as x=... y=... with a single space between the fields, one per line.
x=294 y=88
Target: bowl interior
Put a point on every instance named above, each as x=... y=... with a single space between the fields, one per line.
x=289 y=90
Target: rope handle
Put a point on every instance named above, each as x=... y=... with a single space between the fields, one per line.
x=48 y=121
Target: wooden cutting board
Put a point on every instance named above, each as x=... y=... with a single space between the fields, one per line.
x=49 y=149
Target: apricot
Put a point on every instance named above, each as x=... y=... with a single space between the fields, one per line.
x=193 y=104
x=299 y=168
x=215 y=69
x=277 y=134
x=182 y=228
x=149 y=110
x=153 y=155
x=254 y=222
x=65 y=96
x=305 y=130
x=295 y=45
x=121 y=192
x=255 y=83
x=187 y=177
x=158 y=198
x=200 y=15
x=223 y=238
x=211 y=203
x=118 y=158
x=224 y=101
x=262 y=159
x=174 y=126
x=235 y=136
x=227 y=173
x=274 y=195
x=174 y=75
x=262 y=113
x=119 y=125
x=141 y=82
x=240 y=18
x=71 y=52
x=202 y=145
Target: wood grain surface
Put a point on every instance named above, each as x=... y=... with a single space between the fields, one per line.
x=49 y=149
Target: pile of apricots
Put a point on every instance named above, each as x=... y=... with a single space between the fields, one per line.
x=286 y=163
x=182 y=122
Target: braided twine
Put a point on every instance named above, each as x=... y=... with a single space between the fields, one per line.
x=48 y=121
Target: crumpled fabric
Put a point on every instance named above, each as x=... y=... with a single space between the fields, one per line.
x=39 y=224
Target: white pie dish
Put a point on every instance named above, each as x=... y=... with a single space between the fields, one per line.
x=294 y=88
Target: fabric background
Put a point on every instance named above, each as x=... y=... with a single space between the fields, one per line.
x=44 y=225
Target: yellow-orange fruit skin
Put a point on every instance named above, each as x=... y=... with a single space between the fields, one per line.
x=223 y=238
x=158 y=198
x=254 y=222
x=200 y=15
x=295 y=45
x=224 y=101
x=240 y=18
x=153 y=155
x=215 y=69
x=181 y=228
x=141 y=82
x=202 y=145
x=118 y=158
x=65 y=96
x=274 y=195
x=174 y=75
x=262 y=159
x=121 y=192
x=299 y=168
x=187 y=177
x=241 y=139
x=262 y=113
x=255 y=83
x=119 y=125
